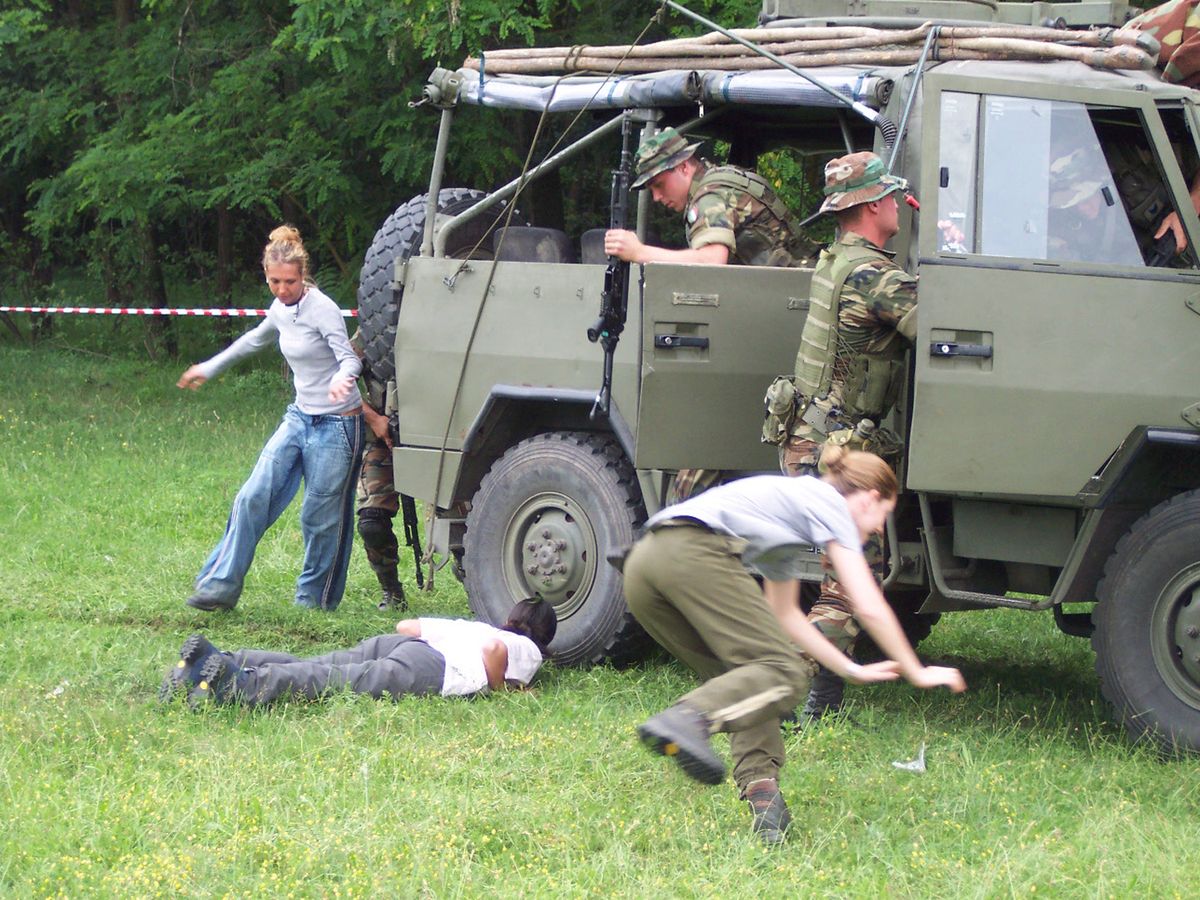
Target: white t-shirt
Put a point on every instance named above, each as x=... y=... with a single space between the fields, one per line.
x=461 y=644
x=776 y=516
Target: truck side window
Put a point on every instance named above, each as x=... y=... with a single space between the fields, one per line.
x=956 y=173
x=1047 y=180
x=1045 y=172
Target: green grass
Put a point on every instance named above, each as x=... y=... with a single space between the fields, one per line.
x=113 y=487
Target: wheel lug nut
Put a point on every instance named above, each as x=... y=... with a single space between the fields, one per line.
x=532 y=569
x=531 y=546
x=562 y=545
x=1193 y=631
x=560 y=569
x=546 y=533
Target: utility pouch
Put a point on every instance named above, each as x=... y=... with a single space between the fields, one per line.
x=872 y=387
x=781 y=406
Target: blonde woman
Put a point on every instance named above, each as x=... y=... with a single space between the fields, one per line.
x=319 y=440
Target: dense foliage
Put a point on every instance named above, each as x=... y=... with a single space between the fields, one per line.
x=153 y=144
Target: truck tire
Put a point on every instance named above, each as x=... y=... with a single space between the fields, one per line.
x=1147 y=626
x=542 y=524
x=399 y=238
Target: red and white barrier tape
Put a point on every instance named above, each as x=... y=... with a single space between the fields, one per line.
x=148 y=311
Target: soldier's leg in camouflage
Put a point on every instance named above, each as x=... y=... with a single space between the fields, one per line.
x=378 y=503
x=799 y=456
x=690 y=482
x=833 y=618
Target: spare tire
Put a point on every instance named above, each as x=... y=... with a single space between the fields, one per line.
x=399 y=238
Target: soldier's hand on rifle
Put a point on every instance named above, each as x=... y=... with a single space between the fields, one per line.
x=191 y=379
x=624 y=245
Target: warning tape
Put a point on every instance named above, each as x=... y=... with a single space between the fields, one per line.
x=148 y=311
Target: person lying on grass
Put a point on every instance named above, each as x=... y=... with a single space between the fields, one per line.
x=451 y=657
x=686 y=582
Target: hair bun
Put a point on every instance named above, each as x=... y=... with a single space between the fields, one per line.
x=285 y=234
x=833 y=457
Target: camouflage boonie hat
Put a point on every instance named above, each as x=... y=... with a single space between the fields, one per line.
x=1074 y=177
x=857 y=178
x=660 y=152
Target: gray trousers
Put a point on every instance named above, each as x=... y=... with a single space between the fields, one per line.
x=387 y=664
x=689 y=590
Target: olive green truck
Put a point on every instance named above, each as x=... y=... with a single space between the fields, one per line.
x=1052 y=411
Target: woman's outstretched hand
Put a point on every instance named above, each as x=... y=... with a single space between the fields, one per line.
x=939 y=676
x=191 y=379
x=887 y=670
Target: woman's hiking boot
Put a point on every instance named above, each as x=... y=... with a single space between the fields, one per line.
x=771 y=816
x=682 y=733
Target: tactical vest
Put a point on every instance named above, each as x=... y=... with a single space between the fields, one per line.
x=871 y=379
x=757 y=246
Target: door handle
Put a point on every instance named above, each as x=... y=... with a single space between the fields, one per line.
x=941 y=349
x=671 y=341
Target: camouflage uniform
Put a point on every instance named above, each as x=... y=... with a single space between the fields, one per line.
x=849 y=371
x=736 y=209
x=1176 y=25
x=378 y=501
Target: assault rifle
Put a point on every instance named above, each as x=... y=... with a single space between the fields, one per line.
x=614 y=300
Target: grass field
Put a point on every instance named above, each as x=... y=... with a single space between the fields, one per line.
x=113 y=487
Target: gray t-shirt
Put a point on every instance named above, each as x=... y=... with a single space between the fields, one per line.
x=776 y=515
x=312 y=337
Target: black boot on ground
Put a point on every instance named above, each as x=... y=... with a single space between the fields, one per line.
x=183 y=675
x=824 y=696
x=392 y=596
x=216 y=682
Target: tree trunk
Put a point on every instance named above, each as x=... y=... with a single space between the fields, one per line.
x=160 y=330
x=224 y=326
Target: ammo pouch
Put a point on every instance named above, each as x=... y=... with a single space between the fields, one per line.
x=872 y=386
x=781 y=406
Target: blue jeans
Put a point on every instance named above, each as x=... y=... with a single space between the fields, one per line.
x=327 y=452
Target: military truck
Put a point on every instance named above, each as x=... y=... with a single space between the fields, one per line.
x=1052 y=412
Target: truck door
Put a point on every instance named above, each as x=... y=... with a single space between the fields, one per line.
x=713 y=338
x=1047 y=327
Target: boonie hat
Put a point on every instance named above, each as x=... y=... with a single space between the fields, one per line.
x=857 y=178
x=660 y=152
x=1074 y=177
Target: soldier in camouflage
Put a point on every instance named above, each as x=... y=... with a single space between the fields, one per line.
x=850 y=366
x=378 y=501
x=732 y=217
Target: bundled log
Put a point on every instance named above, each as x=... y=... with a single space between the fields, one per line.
x=813 y=47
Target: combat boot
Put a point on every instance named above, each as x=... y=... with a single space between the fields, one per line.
x=183 y=675
x=771 y=816
x=392 y=593
x=217 y=681
x=824 y=696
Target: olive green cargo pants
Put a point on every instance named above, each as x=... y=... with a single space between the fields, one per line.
x=688 y=588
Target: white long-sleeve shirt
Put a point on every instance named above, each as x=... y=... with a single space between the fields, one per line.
x=312 y=338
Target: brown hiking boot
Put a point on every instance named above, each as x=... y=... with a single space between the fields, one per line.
x=771 y=816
